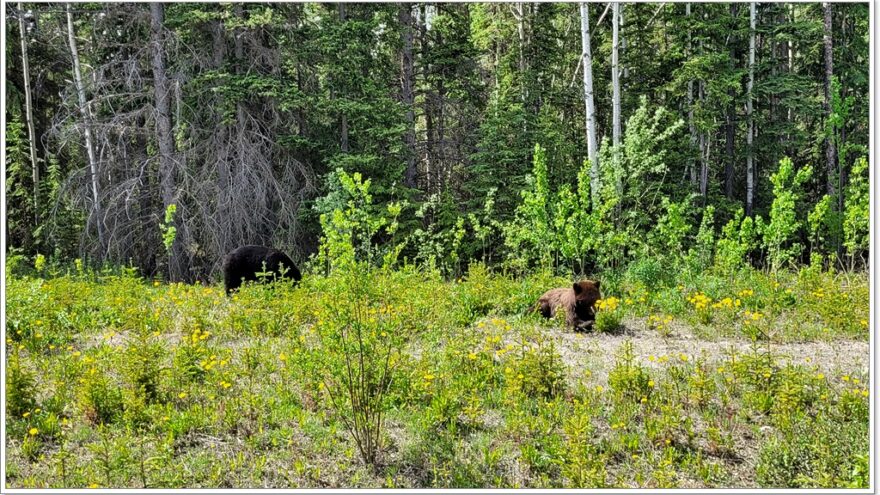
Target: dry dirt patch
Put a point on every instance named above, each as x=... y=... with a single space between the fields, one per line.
x=596 y=352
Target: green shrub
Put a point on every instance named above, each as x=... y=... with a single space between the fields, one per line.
x=100 y=399
x=535 y=368
x=608 y=315
x=20 y=387
x=628 y=379
x=780 y=233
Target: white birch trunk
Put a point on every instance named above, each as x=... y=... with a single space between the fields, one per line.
x=86 y=118
x=615 y=95
x=592 y=147
x=615 y=73
x=29 y=113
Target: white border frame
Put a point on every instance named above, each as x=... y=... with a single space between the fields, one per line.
x=872 y=92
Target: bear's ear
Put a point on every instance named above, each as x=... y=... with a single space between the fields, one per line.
x=577 y=288
x=596 y=283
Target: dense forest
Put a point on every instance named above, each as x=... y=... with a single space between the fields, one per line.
x=164 y=135
x=440 y=173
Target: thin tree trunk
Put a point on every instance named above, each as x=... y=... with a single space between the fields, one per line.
x=704 y=151
x=730 y=119
x=624 y=71
x=519 y=14
x=343 y=119
x=789 y=114
x=428 y=100
x=615 y=94
x=750 y=159
x=692 y=128
x=86 y=117
x=730 y=147
x=404 y=16
x=164 y=135
x=29 y=115
x=830 y=148
x=615 y=74
x=592 y=148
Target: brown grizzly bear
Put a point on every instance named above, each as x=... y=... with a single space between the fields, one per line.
x=578 y=302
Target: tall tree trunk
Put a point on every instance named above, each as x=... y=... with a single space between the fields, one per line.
x=750 y=158
x=238 y=53
x=615 y=94
x=692 y=128
x=428 y=101
x=519 y=14
x=623 y=71
x=791 y=57
x=615 y=74
x=592 y=147
x=730 y=117
x=29 y=112
x=704 y=151
x=830 y=148
x=86 y=118
x=842 y=161
x=404 y=16
x=343 y=119
x=164 y=135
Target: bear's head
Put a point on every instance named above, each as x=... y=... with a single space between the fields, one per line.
x=586 y=293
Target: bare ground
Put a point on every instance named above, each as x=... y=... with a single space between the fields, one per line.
x=596 y=352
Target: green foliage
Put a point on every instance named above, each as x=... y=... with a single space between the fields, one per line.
x=440 y=243
x=628 y=379
x=360 y=341
x=779 y=233
x=672 y=229
x=535 y=369
x=20 y=387
x=531 y=235
x=19 y=185
x=350 y=220
x=823 y=224
x=434 y=370
x=650 y=144
x=856 y=219
x=575 y=222
x=169 y=231
x=701 y=255
x=609 y=315
x=738 y=238
x=792 y=459
x=487 y=228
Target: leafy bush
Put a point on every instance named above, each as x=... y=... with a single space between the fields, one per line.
x=628 y=379
x=779 y=233
x=361 y=338
x=20 y=387
x=857 y=217
x=608 y=315
x=738 y=238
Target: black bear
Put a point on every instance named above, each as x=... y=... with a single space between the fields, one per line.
x=578 y=302
x=246 y=262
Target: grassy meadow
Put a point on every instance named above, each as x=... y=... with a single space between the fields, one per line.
x=399 y=378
